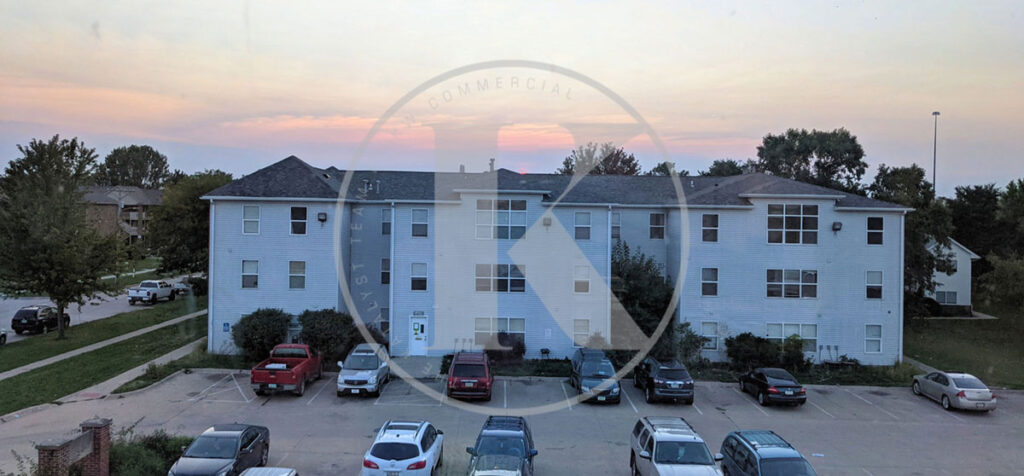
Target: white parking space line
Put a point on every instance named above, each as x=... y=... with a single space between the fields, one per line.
x=317 y=394
x=868 y=472
x=246 y=397
x=950 y=413
x=567 y=401
x=630 y=400
x=281 y=461
x=822 y=410
x=695 y=407
x=202 y=395
x=505 y=382
x=751 y=403
x=894 y=417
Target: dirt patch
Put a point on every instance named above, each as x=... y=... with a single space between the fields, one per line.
x=878 y=393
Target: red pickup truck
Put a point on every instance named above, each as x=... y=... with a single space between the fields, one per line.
x=290 y=367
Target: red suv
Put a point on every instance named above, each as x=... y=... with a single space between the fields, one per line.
x=470 y=376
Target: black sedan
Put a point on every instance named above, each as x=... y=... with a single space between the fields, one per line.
x=772 y=385
x=224 y=450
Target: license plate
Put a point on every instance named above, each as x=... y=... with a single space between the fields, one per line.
x=789 y=392
x=469 y=384
x=675 y=385
x=600 y=399
x=391 y=473
x=980 y=405
x=355 y=390
x=24 y=321
x=273 y=385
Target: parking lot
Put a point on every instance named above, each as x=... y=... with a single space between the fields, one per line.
x=841 y=430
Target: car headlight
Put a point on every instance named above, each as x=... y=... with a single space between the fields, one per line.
x=372 y=380
x=615 y=390
x=584 y=388
x=170 y=472
x=225 y=471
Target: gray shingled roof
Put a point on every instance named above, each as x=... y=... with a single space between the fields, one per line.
x=293 y=178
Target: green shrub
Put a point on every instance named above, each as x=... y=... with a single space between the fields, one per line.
x=504 y=348
x=257 y=333
x=689 y=345
x=200 y=285
x=793 y=357
x=328 y=332
x=747 y=351
x=143 y=455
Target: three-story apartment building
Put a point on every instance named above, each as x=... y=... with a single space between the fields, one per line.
x=444 y=261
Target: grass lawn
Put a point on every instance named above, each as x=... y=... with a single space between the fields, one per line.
x=39 y=347
x=992 y=350
x=56 y=380
x=198 y=359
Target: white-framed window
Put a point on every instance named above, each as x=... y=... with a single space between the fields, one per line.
x=250 y=274
x=418 y=277
x=793 y=224
x=779 y=331
x=874 y=285
x=873 y=339
x=501 y=219
x=581 y=222
x=298 y=221
x=296 y=275
x=384 y=320
x=484 y=328
x=581 y=279
x=792 y=283
x=419 y=222
x=954 y=265
x=385 y=271
x=385 y=222
x=251 y=219
x=945 y=297
x=709 y=281
x=616 y=225
x=709 y=330
x=876 y=227
x=580 y=332
x=657 y=226
x=709 y=228
x=501 y=278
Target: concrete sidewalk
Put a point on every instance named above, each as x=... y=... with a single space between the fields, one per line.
x=924 y=367
x=91 y=347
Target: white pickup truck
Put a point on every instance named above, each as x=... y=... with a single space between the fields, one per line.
x=151 y=291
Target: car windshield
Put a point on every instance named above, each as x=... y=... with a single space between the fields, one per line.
x=598 y=369
x=25 y=314
x=674 y=374
x=361 y=362
x=220 y=447
x=468 y=371
x=147 y=285
x=969 y=382
x=498 y=463
x=786 y=467
x=501 y=445
x=682 y=452
x=394 y=451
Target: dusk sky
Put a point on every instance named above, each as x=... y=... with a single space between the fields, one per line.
x=240 y=85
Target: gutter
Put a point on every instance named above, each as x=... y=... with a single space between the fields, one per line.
x=391 y=285
x=899 y=328
x=209 y=283
x=608 y=277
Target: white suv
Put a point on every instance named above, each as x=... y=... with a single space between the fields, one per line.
x=668 y=445
x=405 y=448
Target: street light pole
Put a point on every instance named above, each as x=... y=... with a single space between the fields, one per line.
x=935 y=143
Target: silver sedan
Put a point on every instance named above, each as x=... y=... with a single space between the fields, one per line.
x=955 y=390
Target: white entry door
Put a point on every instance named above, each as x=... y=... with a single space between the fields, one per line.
x=417 y=335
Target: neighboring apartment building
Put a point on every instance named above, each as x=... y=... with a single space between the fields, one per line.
x=953 y=291
x=444 y=261
x=121 y=209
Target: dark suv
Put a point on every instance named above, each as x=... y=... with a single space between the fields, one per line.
x=505 y=444
x=470 y=376
x=771 y=385
x=663 y=381
x=37 y=319
x=591 y=369
x=761 y=453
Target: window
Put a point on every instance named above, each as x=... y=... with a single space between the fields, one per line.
x=953 y=264
x=384 y=318
x=709 y=330
x=875 y=226
x=419 y=277
x=250 y=273
x=580 y=332
x=709 y=281
x=419 y=222
x=874 y=285
x=778 y=332
x=709 y=228
x=945 y=297
x=501 y=278
x=385 y=271
x=296 y=275
x=793 y=224
x=616 y=225
x=251 y=219
x=485 y=328
x=501 y=219
x=385 y=221
x=298 y=220
x=582 y=225
x=873 y=338
x=792 y=283
x=581 y=279
x=657 y=226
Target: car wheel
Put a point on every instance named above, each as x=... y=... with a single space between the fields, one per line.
x=67 y=323
x=171 y=297
x=3 y=339
x=488 y=397
x=916 y=388
x=636 y=381
x=762 y=399
x=688 y=401
x=648 y=395
x=440 y=458
x=152 y=301
x=264 y=457
x=319 y=372
x=302 y=388
x=945 y=403
x=743 y=388
x=632 y=464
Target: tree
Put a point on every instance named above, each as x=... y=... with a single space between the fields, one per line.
x=927 y=229
x=328 y=332
x=609 y=160
x=47 y=247
x=135 y=166
x=976 y=223
x=830 y=159
x=689 y=344
x=1011 y=214
x=1004 y=285
x=256 y=334
x=724 y=168
x=667 y=169
x=643 y=294
x=747 y=351
x=179 y=229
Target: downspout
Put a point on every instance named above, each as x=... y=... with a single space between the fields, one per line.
x=608 y=277
x=209 y=283
x=903 y=238
x=391 y=285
